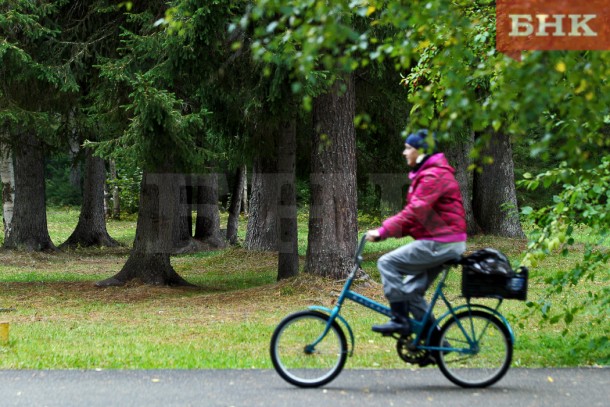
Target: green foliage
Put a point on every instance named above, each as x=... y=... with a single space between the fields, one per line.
x=160 y=133
x=525 y=165
x=37 y=67
x=128 y=180
x=163 y=132
x=303 y=192
x=583 y=200
x=561 y=93
x=59 y=190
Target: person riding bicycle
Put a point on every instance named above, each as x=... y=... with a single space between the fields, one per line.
x=434 y=216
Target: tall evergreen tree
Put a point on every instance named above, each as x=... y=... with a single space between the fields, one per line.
x=38 y=77
x=162 y=76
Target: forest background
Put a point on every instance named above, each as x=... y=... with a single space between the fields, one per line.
x=165 y=112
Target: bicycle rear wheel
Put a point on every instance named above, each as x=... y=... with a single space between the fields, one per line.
x=483 y=349
x=294 y=357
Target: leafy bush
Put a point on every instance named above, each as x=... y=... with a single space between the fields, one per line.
x=128 y=181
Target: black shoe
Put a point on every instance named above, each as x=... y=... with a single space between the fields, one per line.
x=399 y=324
x=394 y=326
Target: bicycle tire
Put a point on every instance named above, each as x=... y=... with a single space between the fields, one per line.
x=303 y=367
x=481 y=363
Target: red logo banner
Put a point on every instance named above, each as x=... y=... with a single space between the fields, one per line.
x=523 y=25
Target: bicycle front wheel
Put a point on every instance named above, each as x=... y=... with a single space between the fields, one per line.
x=481 y=349
x=294 y=355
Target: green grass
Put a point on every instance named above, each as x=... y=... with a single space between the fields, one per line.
x=60 y=320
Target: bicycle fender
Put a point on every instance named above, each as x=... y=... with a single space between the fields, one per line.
x=483 y=308
x=341 y=319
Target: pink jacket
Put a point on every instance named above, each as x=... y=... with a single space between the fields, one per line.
x=434 y=209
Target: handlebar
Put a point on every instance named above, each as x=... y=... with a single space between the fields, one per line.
x=360 y=246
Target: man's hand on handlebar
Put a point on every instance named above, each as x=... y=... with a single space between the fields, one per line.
x=373 y=235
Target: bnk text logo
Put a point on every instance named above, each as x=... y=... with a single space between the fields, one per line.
x=552 y=25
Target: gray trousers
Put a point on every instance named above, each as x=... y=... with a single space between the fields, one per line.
x=408 y=271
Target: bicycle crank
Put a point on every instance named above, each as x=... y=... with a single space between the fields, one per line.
x=408 y=351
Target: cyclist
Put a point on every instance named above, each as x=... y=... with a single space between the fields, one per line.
x=434 y=216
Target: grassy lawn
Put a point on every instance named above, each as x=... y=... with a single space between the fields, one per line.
x=58 y=319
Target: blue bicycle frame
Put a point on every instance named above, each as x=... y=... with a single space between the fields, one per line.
x=417 y=327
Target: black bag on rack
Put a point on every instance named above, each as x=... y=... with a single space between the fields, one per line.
x=488 y=273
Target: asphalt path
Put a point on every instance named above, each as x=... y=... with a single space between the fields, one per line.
x=586 y=387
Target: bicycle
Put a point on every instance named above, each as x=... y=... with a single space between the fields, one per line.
x=472 y=344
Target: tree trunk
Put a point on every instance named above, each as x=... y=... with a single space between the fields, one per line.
x=75 y=162
x=244 y=199
x=115 y=211
x=288 y=256
x=188 y=215
x=149 y=260
x=8 y=187
x=207 y=225
x=262 y=231
x=458 y=155
x=333 y=231
x=234 y=207
x=183 y=233
x=107 y=201
x=91 y=228
x=494 y=192
x=29 y=230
